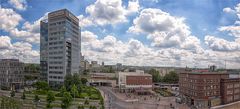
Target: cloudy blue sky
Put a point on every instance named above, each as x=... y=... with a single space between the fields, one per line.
x=133 y=32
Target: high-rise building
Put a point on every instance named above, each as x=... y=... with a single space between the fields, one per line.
x=63 y=45
x=11 y=74
x=44 y=50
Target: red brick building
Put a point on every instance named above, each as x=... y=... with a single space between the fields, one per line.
x=201 y=88
x=134 y=81
x=230 y=90
x=204 y=89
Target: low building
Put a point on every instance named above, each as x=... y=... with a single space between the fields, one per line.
x=11 y=74
x=103 y=79
x=230 y=90
x=134 y=81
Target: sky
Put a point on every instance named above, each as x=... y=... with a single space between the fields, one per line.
x=193 y=33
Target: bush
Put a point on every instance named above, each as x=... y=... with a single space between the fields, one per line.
x=81 y=107
x=83 y=95
x=40 y=92
x=94 y=97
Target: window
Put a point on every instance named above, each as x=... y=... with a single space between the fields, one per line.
x=229 y=92
x=229 y=98
x=229 y=86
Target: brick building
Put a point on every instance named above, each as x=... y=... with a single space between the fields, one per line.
x=230 y=90
x=203 y=89
x=134 y=82
x=11 y=74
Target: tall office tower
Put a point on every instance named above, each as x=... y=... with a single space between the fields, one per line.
x=63 y=46
x=44 y=50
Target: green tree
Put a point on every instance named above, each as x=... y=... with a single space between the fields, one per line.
x=50 y=98
x=41 y=85
x=23 y=95
x=79 y=88
x=171 y=77
x=81 y=107
x=155 y=75
x=66 y=100
x=74 y=91
x=76 y=79
x=36 y=100
x=62 y=90
x=92 y=107
x=86 y=102
x=68 y=81
x=84 y=81
x=12 y=93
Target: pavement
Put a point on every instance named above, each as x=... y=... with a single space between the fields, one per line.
x=114 y=100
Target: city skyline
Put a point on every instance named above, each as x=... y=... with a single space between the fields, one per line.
x=135 y=32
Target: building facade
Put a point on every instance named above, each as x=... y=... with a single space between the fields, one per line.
x=134 y=81
x=201 y=88
x=63 y=46
x=230 y=90
x=11 y=74
x=204 y=89
x=44 y=50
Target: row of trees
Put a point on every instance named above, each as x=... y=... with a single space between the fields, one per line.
x=171 y=77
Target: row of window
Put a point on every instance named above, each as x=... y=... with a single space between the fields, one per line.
x=56 y=77
x=55 y=67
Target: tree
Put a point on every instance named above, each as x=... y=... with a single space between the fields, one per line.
x=81 y=107
x=155 y=75
x=23 y=95
x=79 y=88
x=84 y=81
x=86 y=102
x=76 y=79
x=171 y=77
x=36 y=99
x=50 y=98
x=12 y=93
x=62 y=90
x=68 y=81
x=41 y=85
x=74 y=91
x=66 y=100
x=92 y=107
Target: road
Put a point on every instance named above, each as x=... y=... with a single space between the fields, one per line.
x=113 y=102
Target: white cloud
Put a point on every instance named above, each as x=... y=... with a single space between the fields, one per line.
x=19 y=4
x=30 y=32
x=133 y=52
x=164 y=30
x=234 y=30
x=228 y=10
x=219 y=44
x=5 y=42
x=104 y=12
x=9 y=19
x=133 y=6
x=18 y=50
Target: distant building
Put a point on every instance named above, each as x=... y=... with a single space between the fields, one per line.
x=84 y=65
x=164 y=70
x=11 y=74
x=60 y=46
x=204 y=88
x=31 y=73
x=134 y=81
